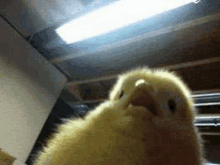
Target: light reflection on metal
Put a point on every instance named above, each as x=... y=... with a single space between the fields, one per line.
x=207 y=104
x=208 y=117
x=206 y=94
x=206 y=124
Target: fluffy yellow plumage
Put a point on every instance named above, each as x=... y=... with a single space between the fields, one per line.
x=147 y=120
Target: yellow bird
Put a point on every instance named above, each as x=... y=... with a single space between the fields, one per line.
x=147 y=120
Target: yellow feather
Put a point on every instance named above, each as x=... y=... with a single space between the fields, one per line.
x=123 y=131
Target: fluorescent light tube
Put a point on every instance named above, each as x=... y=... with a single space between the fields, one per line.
x=118 y=14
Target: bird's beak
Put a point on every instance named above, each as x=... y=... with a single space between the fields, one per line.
x=142 y=96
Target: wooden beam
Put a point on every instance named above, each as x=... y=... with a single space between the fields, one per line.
x=171 y=67
x=201 y=76
x=92 y=101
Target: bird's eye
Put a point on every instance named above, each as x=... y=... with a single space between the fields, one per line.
x=172 y=105
x=122 y=93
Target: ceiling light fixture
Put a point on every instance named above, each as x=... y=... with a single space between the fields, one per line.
x=119 y=14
